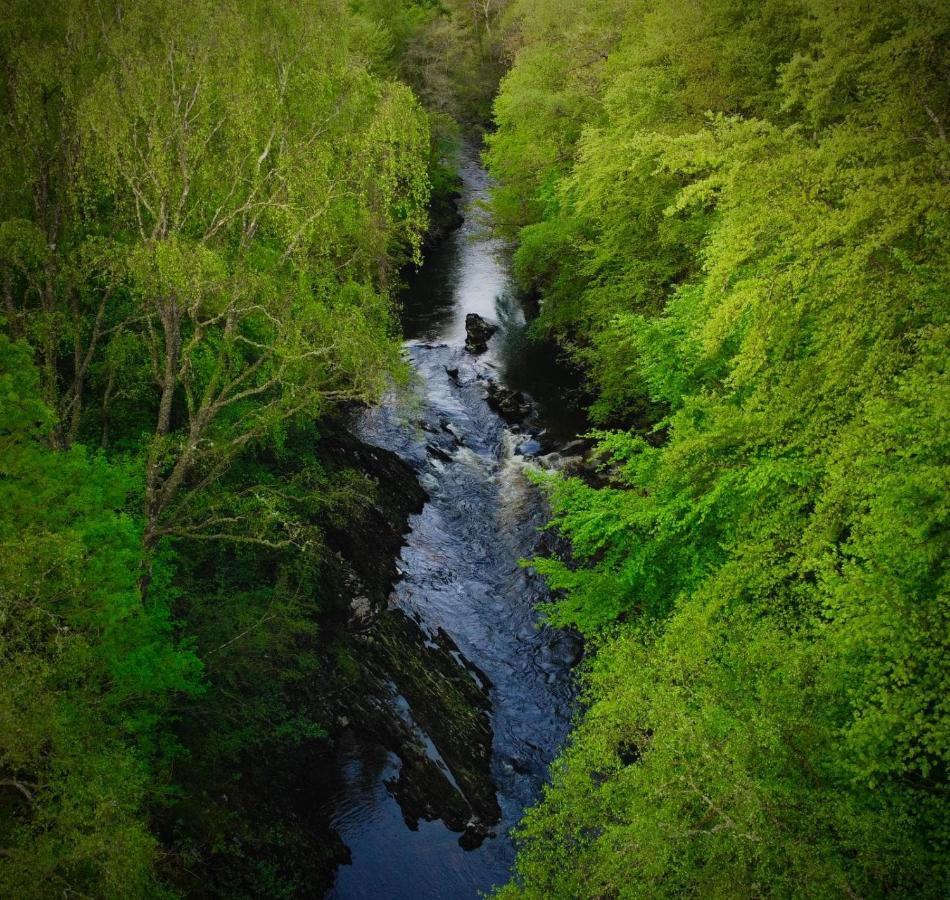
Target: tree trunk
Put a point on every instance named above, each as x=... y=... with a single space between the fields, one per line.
x=170 y=317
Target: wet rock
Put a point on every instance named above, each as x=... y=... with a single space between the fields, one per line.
x=573 y=648
x=566 y=648
x=445 y=703
x=452 y=372
x=588 y=468
x=445 y=641
x=362 y=608
x=444 y=217
x=456 y=433
x=473 y=836
x=513 y=406
x=364 y=546
x=438 y=452
x=520 y=765
x=478 y=331
x=577 y=447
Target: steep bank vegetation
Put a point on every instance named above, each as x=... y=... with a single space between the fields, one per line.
x=735 y=215
x=204 y=208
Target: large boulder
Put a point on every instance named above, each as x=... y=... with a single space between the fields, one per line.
x=478 y=331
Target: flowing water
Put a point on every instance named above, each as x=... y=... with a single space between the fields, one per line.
x=461 y=573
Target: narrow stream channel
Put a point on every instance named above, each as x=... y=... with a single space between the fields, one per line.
x=461 y=574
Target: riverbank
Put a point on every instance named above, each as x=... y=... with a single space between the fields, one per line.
x=442 y=698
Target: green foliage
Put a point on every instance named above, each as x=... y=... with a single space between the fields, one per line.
x=751 y=232
x=87 y=669
x=451 y=53
x=202 y=210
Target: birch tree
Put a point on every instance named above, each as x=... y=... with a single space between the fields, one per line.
x=255 y=190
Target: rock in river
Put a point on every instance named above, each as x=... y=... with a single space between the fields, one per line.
x=477 y=333
x=530 y=447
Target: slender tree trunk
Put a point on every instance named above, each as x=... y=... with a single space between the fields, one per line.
x=73 y=398
x=106 y=415
x=48 y=214
x=170 y=317
x=13 y=315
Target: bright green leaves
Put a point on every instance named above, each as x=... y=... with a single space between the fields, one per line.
x=248 y=167
x=202 y=208
x=749 y=248
x=591 y=118
x=22 y=413
x=177 y=267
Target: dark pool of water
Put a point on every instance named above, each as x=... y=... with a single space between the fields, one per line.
x=461 y=569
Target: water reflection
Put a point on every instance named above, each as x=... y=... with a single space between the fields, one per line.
x=465 y=273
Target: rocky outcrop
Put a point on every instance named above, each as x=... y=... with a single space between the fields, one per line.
x=404 y=689
x=366 y=543
x=478 y=332
x=444 y=216
x=444 y=705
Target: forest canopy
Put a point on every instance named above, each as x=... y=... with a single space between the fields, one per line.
x=735 y=217
x=203 y=210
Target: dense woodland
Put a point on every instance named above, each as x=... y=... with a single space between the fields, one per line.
x=734 y=219
x=736 y=216
x=204 y=208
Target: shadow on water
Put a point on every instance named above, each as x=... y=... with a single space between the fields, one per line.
x=462 y=583
x=539 y=368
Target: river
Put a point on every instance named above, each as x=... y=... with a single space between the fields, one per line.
x=461 y=573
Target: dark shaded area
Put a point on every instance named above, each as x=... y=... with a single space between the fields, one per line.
x=250 y=817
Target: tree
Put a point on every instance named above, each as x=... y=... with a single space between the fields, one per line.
x=202 y=208
x=86 y=668
x=245 y=187
x=755 y=265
